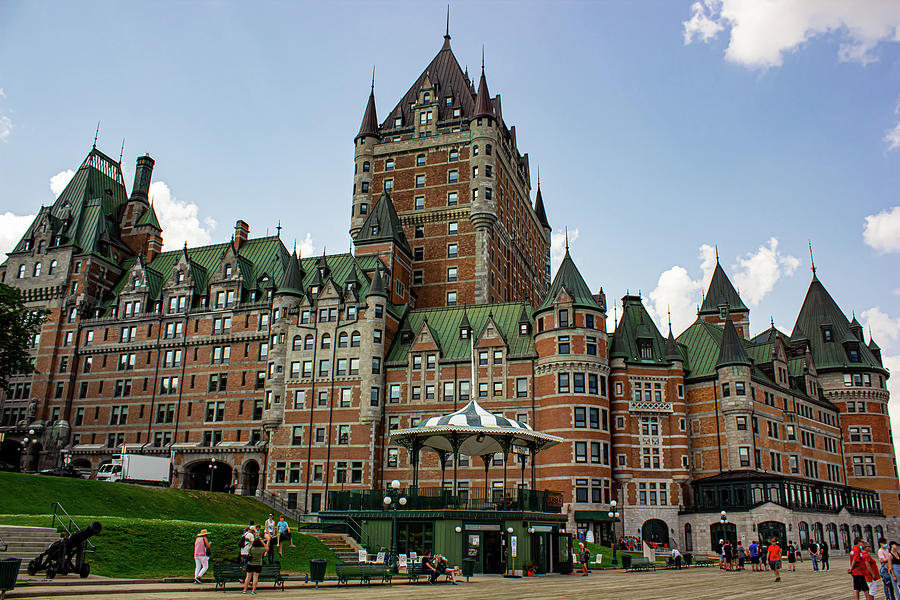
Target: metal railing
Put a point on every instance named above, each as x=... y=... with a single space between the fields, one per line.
x=276 y=502
x=69 y=526
x=497 y=499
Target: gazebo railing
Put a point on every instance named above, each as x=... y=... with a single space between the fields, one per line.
x=435 y=498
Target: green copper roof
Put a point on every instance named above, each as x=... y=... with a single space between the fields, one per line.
x=444 y=324
x=721 y=292
x=569 y=278
x=820 y=312
x=635 y=326
x=291 y=283
x=149 y=218
x=731 y=350
x=383 y=225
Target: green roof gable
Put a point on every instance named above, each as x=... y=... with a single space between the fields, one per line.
x=569 y=278
x=721 y=292
x=633 y=328
x=383 y=225
x=731 y=350
x=444 y=324
x=149 y=218
x=820 y=312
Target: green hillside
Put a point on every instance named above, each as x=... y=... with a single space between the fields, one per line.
x=147 y=532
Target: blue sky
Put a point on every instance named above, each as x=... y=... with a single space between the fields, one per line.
x=772 y=127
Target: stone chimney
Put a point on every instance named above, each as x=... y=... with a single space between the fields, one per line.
x=142 y=174
x=241 y=234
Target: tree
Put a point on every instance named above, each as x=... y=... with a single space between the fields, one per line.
x=18 y=326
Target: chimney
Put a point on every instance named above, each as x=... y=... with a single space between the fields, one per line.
x=241 y=234
x=154 y=247
x=142 y=173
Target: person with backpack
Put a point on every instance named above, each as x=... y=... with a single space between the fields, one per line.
x=246 y=542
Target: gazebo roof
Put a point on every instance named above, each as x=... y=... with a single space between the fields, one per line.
x=475 y=431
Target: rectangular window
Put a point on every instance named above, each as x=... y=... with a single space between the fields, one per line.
x=578 y=383
x=562 y=383
x=452 y=250
x=452 y=274
x=420 y=181
x=580 y=416
x=521 y=387
x=453 y=177
x=563 y=344
x=744 y=455
x=581 y=452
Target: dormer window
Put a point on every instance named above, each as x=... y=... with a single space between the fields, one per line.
x=314 y=290
x=853 y=354
x=463 y=333
x=723 y=312
x=524 y=328
x=350 y=286
x=57 y=241
x=42 y=247
x=398 y=122
x=373 y=230
x=426 y=97
x=27 y=244
x=179 y=276
x=564 y=318
x=228 y=271
x=827 y=334
x=457 y=113
x=448 y=100
x=646 y=350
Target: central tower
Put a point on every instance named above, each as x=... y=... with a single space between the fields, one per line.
x=460 y=187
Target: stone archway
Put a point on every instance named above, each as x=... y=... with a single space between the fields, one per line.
x=82 y=465
x=655 y=530
x=768 y=530
x=250 y=476
x=11 y=453
x=197 y=476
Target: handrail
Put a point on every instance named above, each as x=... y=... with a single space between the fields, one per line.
x=356 y=527
x=275 y=501
x=68 y=527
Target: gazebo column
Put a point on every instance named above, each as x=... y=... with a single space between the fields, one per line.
x=455 y=443
x=505 y=443
x=414 y=459
x=533 y=448
x=442 y=457
x=487 y=458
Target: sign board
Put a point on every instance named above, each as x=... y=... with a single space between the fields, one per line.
x=514 y=544
x=521 y=450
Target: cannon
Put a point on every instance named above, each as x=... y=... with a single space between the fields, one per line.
x=66 y=555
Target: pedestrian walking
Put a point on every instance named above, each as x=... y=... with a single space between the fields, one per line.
x=584 y=555
x=823 y=556
x=201 y=555
x=254 y=564
x=774 y=553
x=792 y=556
x=885 y=570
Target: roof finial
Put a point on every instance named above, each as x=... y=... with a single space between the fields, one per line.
x=121 y=151
x=772 y=321
x=717 y=254
x=278 y=229
x=812 y=263
x=669 y=312
x=539 y=176
x=447 y=32
x=373 y=79
x=482 y=58
x=567 y=238
x=96 y=134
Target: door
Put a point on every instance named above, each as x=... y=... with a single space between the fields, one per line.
x=772 y=529
x=492 y=551
x=655 y=530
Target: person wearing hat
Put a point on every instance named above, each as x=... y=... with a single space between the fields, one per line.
x=247 y=539
x=201 y=555
x=774 y=552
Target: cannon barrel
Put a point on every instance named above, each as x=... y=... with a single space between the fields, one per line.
x=83 y=534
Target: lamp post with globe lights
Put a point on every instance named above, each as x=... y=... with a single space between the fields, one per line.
x=392 y=498
x=614 y=514
x=28 y=439
x=212 y=472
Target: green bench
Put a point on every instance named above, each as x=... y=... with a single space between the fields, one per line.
x=641 y=564
x=705 y=562
x=364 y=573
x=225 y=572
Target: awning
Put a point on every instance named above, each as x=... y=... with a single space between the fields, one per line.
x=594 y=515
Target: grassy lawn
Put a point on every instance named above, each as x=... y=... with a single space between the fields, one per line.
x=147 y=532
x=606 y=551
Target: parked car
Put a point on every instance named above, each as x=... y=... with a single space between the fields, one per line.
x=5 y=466
x=62 y=472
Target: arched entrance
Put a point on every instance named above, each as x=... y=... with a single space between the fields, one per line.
x=83 y=466
x=11 y=453
x=804 y=534
x=772 y=529
x=655 y=530
x=197 y=476
x=250 y=475
x=718 y=531
x=688 y=538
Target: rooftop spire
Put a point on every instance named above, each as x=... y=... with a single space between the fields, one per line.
x=539 y=204
x=96 y=135
x=717 y=254
x=369 y=125
x=731 y=352
x=447 y=32
x=121 y=151
x=483 y=105
x=812 y=263
x=567 y=238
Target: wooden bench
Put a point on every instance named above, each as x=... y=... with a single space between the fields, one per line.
x=641 y=564
x=224 y=572
x=272 y=572
x=365 y=573
x=704 y=562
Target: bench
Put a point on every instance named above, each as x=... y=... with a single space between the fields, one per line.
x=365 y=573
x=414 y=571
x=225 y=572
x=705 y=562
x=641 y=564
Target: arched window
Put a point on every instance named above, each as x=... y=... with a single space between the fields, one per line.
x=37 y=269
x=475 y=150
x=870 y=536
x=831 y=530
x=53 y=264
x=21 y=274
x=354 y=339
x=42 y=246
x=487 y=149
x=879 y=532
x=688 y=538
x=326 y=340
x=342 y=339
x=366 y=167
x=297 y=343
x=845 y=537
x=804 y=533
x=818 y=532
x=857 y=533
x=308 y=342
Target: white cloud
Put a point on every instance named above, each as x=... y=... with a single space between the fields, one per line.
x=180 y=221
x=2 y=93
x=885 y=329
x=677 y=292
x=896 y=292
x=59 y=181
x=892 y=137
x=882 y=231
x=12 y=228
x=6 y=127
x=558 y=247
x=306 y=246
x=761 y=31
x=760 y=270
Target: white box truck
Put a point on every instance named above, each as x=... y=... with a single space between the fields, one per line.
x=137 y=468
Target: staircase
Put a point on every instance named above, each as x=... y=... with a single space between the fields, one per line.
x=26 y=542
x=344 y=547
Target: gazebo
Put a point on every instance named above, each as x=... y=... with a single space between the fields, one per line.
x=473 y=431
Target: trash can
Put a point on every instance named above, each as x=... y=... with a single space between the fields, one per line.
x=626 y=561
x=9 y=570
x=317 y=570
x=468 y=568
x=688 y=558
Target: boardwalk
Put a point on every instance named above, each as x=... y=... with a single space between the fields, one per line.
x=694 y=584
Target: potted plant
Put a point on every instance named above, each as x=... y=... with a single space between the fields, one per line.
x=528 y=569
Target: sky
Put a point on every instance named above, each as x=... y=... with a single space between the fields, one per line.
x=663 y=130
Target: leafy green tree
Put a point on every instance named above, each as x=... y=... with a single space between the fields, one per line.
x=18 y=326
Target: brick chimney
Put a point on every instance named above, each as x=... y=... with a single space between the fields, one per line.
x=241 y=234
x=154 y=247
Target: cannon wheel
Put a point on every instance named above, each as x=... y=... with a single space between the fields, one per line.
x=32 y=567
x=51 y=572
x=85 y=570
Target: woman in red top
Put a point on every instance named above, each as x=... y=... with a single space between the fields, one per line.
x=864 y=570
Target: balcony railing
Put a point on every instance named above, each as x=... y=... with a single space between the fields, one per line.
x=511 y=499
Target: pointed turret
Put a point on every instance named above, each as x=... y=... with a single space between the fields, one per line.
x=874 y=348
x=721 y=293
x=857 y=329
x=369 y=125
x=149 y=219
x=383 y=225
x=377 y=287
x=539 y=208
x=569 y=278
x=672 y=352
x=483 y=107
x=291 y=283
x=731 y=351
x=464 y=325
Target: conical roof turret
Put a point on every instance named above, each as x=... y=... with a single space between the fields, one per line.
x=483 y=107
x=377 y=287
x=731 y=351
x=369 y=125
x=539 y=207
x=568 y=277
x=672 y=351
x=721 y=293
x=291 y=283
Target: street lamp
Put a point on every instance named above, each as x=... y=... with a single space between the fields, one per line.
x=613 y=514
x=393 y=493
x=212 y=472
